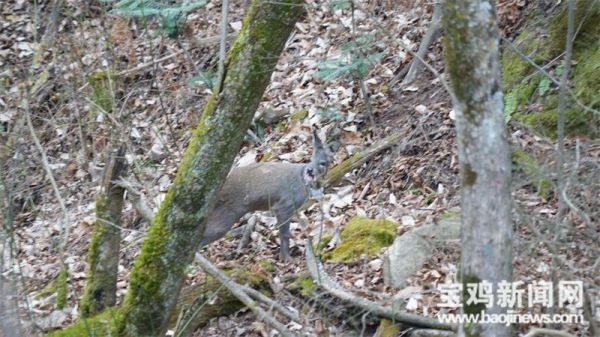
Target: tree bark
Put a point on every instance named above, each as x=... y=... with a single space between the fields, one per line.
x=471 y=52
x=103 y=256
x=176 y=231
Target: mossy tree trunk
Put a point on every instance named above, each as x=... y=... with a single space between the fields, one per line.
x=472 y=60
x=176 y=231
x=103 y=256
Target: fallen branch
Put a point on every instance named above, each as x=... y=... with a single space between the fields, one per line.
x=540 y=331
x=137 y=199
x=431 y=333
x=323 y=280
x=238 y=292
x=357 y=159
x=271 y=303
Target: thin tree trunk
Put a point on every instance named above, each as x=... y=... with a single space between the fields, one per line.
x=103 y=256
x=429 y=38
x=471 y=48
x=177 y=228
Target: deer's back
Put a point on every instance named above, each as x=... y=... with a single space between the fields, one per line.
x=260 y=186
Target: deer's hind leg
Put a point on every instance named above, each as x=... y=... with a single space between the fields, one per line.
x=219 y=223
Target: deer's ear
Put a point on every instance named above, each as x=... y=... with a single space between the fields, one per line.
x=317 y=144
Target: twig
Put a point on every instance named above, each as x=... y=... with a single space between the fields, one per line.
x=274 y=304
x=367 y=98
x=195 y=44
x=322 y=279
x=428 y=39
x=560 y=170
x=431 y=69
x=562 y=102
x=223 y=41
x=64 y=225
x=242 y=296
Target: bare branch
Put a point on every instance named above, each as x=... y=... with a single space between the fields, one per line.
x=549 y=332
x=241 y=295
x=322 y=279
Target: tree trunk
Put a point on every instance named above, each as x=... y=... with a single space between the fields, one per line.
x=176 y=231
x=103 y=256
x=471 y=48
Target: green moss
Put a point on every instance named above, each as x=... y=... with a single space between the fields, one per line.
x=319 y=245
x=104 y=324
x=513 y=68
x=585 y=76
x=586 y=23
x=546 y=44
x=245 y=276
x=267 y=265
x=304 y=284
x=343 y=167
x=532 y=169
x=300 y=114
x=577 y=123
x=101 y=94
x=362 y=236
x=62 y=287
x=387 y=328
x=268 y=155
x=97 y=282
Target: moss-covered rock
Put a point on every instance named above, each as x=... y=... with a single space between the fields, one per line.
x=543 y=41
x=362 y=236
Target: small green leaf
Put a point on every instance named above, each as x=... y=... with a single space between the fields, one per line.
x=544 y=86
x=339 y=4
x=510 y=105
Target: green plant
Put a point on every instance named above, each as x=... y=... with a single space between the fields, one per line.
x=170 y=15
x=330 y=114
x=356 y=58
x=340 y=4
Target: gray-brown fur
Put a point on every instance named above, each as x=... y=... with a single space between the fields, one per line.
x=278 y=187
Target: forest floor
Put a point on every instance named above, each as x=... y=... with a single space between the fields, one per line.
x=159 y=105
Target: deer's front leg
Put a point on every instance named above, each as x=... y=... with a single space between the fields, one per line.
x=284 y=215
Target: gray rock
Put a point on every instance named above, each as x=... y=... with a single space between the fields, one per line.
x=411 y=250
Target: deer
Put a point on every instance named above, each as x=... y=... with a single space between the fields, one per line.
x=282 y=188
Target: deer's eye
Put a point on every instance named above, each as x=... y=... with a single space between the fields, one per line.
x=323 y=164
